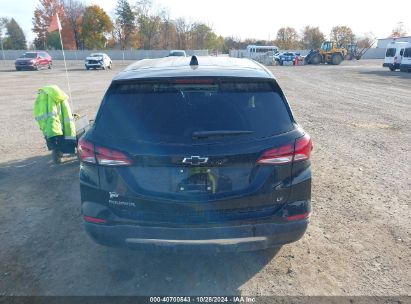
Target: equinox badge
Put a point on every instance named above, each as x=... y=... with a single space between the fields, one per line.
x=195 y=160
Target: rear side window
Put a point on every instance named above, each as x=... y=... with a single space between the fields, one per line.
x=407 y=53
x=174 y=112
x=390 y=52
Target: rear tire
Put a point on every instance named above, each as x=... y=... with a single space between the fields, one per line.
x=392 y=69
x=56 y=156
x=336 y=59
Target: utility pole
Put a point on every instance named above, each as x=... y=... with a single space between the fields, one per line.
x=1 y=42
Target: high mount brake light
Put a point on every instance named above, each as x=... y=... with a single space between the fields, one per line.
x=194 y=81
x=89 y=153
x=298 y=151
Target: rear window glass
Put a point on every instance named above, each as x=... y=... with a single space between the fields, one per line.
x=29 y=55
x=390 y=52
x=177 y=54
x=407 y=52
x=176 y=112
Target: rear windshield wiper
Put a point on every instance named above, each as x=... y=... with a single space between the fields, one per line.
x=219 y=133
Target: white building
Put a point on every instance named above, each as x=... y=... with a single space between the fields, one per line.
x=382 y=43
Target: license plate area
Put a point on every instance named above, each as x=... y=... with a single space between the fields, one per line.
x=196 y=180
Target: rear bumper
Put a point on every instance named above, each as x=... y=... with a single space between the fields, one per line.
x=215 y=239
x=31 y=66
x=94 y=65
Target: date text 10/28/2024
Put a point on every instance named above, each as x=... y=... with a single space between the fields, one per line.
x=234 y=299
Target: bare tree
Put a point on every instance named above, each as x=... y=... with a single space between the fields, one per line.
x=168 y=31
x=287 y=38
x=342 y=35
x=399 y=30
x=312 y=37
x=366 y=41
x=74 y=12
x=183 y=28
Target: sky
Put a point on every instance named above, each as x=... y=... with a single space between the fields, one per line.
x=258 y=19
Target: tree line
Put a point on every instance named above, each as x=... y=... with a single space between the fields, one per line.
x=139 y=26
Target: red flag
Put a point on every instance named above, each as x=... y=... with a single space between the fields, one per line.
x=54 y=24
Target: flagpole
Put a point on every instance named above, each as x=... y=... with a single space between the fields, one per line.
x=2 y=50
x=65 y=67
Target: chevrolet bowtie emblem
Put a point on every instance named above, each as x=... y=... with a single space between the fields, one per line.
x=195 y=160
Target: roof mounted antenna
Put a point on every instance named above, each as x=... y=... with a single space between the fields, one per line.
x=193 y=61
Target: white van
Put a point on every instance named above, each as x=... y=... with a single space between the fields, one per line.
x=405 y=65
x=393 y=55
x=256 y=51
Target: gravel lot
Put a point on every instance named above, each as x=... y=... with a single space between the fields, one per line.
x=358 y=242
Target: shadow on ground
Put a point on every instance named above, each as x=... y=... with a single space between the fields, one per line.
x=388 y=74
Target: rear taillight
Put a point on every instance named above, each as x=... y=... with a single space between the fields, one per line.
x=298 y=151
x=303 y=147
x=85 y=150
x=282 y=155
x=95 y=220
x=111 y=157
x=298 y=217
x=90 y=153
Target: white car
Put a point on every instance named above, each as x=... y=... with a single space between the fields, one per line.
x=177 y=53
x=98 y=60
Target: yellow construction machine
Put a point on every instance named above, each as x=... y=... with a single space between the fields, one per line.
x=327 y=53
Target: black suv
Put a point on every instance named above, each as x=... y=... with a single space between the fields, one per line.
x=195 y=152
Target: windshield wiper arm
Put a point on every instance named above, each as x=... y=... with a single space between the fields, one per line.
x=219 y=133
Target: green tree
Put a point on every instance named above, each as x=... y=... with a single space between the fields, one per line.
x=42 y=18
x=214 y=42
x=149 y=30
x=203 y=36
x=125 y=27
x=231 y=43
x=96 y=26
x=15 y=39
x=312 y=37
x=287 y=38
x=342 y=35
x=53 y=41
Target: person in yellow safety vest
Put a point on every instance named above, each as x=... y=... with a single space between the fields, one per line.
x=53 y=114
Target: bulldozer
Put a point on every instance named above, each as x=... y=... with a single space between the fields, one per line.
x=329 y=53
